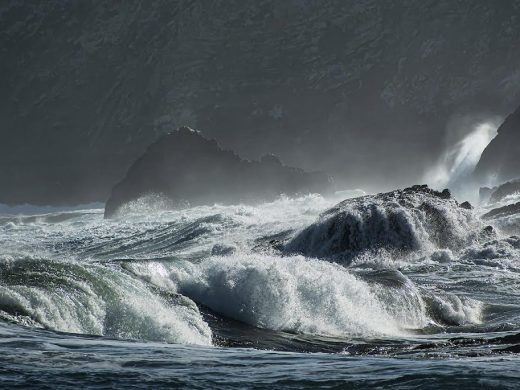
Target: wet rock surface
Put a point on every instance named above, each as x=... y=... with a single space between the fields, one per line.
x=403 y=220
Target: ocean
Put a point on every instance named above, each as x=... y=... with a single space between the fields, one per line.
x=207 y=297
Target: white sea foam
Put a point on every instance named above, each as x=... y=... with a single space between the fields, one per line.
x=97 y=300
x=304 y=295
x=292 y=294
x=123 y=278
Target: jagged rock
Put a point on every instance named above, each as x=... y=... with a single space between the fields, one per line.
x=403 y=220
x=498 y=193
x=184 y=166
x=466 y=205
x=487 y=233
x=445 y=194
x=500 y=160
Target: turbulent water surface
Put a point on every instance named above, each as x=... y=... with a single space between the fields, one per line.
x=218 y=297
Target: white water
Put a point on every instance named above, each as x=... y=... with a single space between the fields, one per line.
x=457 y=163
x=93 y=299
x=295 y=294
x=138 y=277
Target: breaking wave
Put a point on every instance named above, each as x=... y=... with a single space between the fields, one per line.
x=388 y=265
x=300 y=295
x=96 y=300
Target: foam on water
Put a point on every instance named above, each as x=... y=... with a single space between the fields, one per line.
x=292 y=294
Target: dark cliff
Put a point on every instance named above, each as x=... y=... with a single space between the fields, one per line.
x=184 y=166
x=500 y=161
x=324 y=85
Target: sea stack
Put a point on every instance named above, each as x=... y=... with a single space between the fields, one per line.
x=184 y=166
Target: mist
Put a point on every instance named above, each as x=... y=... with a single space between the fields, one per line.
x=466 y=140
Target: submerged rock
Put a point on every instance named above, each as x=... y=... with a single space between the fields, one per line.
x=404 y=220
x=183 y=166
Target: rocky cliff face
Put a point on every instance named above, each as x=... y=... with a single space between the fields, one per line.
x=183 y=166
x=500 y=161
x=325 y=85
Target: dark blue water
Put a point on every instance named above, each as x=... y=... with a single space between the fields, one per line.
x=48 y=360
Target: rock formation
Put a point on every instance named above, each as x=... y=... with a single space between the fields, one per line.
x=500 y=161
x=403 y=220
x=502 y=191
x=183 y=166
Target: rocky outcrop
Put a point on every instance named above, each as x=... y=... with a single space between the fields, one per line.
x=183 y=166
x=500 y=161
x=403 y=220
x=325 y=85
x=504 y=208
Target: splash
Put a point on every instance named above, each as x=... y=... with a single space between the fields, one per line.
x=459 y=160
x=300 y=295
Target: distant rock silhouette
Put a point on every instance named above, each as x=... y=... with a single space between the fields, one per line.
x=500 y=192
x=184 y=166
x=500 y=161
